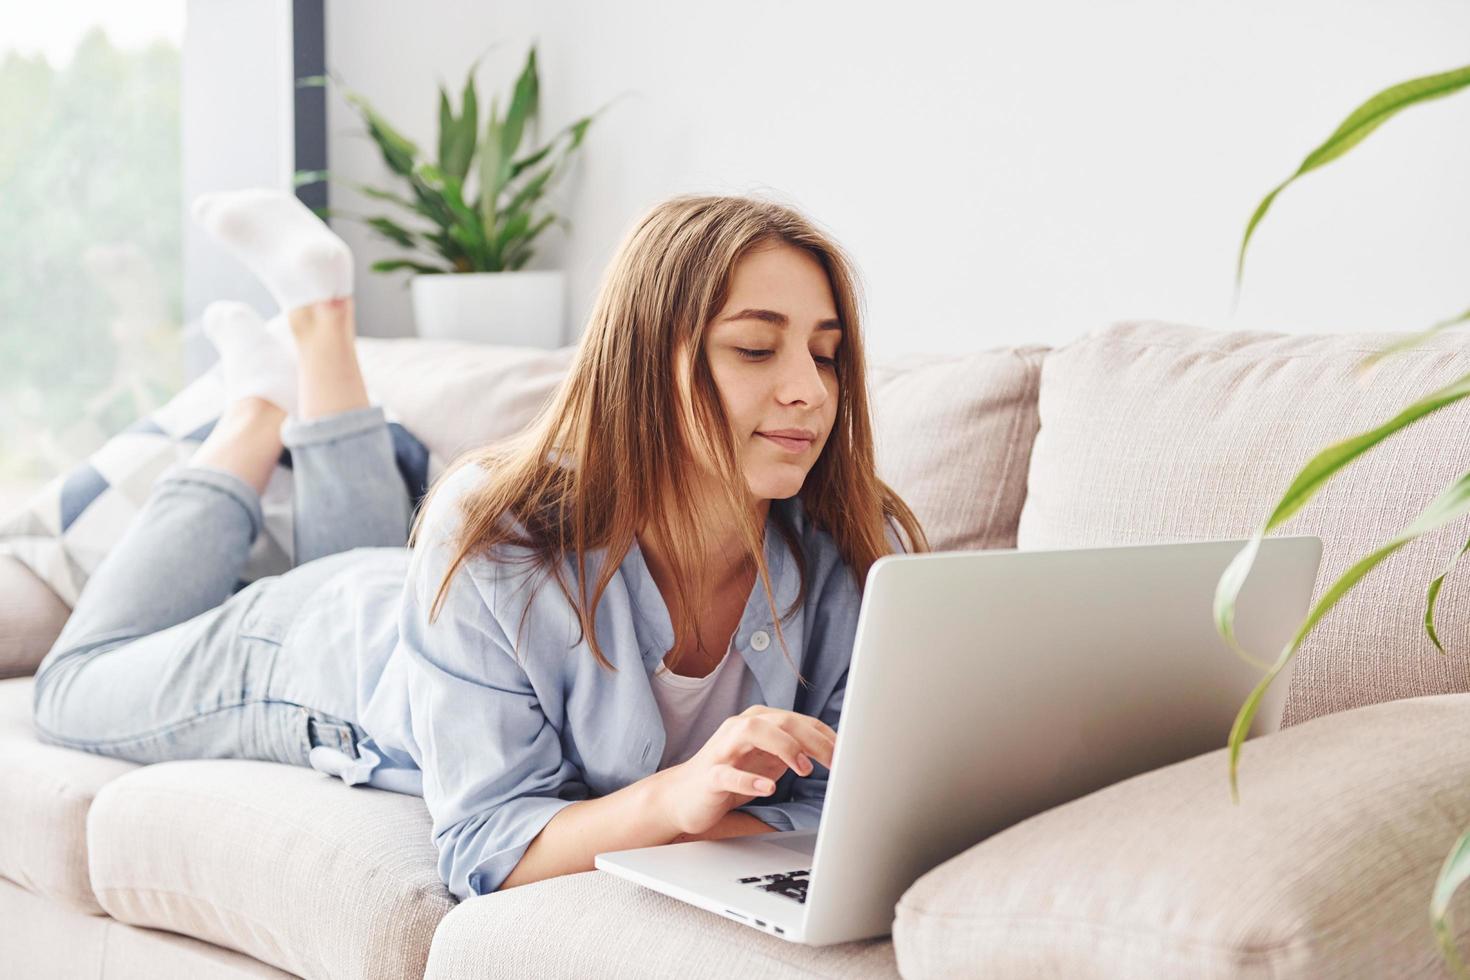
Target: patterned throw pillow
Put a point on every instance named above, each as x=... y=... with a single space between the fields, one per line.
x=65 y=530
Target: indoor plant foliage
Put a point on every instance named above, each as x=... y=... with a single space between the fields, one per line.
x=477 y=206
x=1452 y=503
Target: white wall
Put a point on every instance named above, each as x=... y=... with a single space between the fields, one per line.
x=236 y=114
x=1004 y=173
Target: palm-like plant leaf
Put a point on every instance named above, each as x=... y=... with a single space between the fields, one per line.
x=492 y=230
x=1448 y=506
x=1312 y=477
x=1453 y=503
x=1354 y=129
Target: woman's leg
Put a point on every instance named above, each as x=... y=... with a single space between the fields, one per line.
x=347 y=492
x=157 y=660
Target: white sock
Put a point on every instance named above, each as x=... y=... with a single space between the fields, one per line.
x=279 y=327
x=253 y=361
x=291 y=250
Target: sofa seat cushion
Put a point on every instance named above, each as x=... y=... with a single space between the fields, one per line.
x=1157 y=432
x=283 y=863
x=953 y=436
x=596 y=924
x=31 y=618
x=1324 y=868
x=45 y=793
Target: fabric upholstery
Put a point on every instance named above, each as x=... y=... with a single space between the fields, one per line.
x=31 y=617
x=45 y=792
x=953 y=437
x=45 y=940
x=457 y=396
x=1158 y=432
x=596 y=924
x=280 y=862
x=1324 y=869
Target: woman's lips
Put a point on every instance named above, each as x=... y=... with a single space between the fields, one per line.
x=790 y=445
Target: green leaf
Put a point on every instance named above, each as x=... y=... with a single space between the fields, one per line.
x=399 y=152
x=1413 y=340
x=393 y=265
x=1433 y=597
x=1354 y=129
x=514 y=228
x=1312 y=477
x=1452 y=874
x=457 y=134
x=446 y=126
x=393 y=232
x=524 y=105
x=303 y=177
x=531 y=191
x=468 y=130
x=1452 y=503
x=492 y=169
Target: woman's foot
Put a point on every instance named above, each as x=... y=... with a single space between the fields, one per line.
x=300 y=260
x=254 y=359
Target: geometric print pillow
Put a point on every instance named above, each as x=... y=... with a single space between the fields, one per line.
x=65 y=530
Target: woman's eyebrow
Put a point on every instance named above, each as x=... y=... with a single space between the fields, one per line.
x=779 y=319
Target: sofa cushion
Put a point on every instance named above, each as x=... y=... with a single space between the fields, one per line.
x=1324 y=869
x=596 y=924
x=45 y=792
x=456 y=395
x=31 y=617
x=1157 y=432
x=295 y=868
x=41 y=938
x=953 y=435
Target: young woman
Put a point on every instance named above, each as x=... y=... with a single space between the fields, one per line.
x=701 y=492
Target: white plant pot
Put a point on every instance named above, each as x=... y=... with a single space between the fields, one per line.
x=517 y=309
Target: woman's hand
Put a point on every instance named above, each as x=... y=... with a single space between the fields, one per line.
x=742 y=761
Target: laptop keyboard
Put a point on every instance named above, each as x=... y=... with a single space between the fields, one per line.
x=792 y=884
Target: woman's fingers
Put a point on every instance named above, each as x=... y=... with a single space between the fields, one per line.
x=738 y=781
x=787 y=736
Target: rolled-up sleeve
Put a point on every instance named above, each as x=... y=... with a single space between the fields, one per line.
x=802 y=809
x=493 y=768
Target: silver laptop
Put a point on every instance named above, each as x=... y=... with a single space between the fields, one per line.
x=984 y=688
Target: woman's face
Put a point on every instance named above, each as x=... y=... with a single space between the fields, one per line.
x=772 y=352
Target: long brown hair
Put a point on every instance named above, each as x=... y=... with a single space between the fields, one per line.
x=616 y=419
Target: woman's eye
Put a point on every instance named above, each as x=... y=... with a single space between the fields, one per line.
x=750 y=354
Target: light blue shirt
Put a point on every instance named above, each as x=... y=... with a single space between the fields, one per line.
x=496 y=747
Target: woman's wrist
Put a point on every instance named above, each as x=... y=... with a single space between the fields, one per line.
x=658 y=798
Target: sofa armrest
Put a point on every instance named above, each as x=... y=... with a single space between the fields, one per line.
x=1324 y=868
x=31 y=617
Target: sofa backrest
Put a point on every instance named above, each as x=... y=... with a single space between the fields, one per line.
x=1158 y=432
x=952 y=432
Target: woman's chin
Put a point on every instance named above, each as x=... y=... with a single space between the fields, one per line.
x=778 y=483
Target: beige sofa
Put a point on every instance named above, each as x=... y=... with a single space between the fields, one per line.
x=1137 y=432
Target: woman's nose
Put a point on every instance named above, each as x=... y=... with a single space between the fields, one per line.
x=802 y=381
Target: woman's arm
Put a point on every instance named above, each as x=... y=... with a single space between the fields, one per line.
x=746 y=751
x=630 y=817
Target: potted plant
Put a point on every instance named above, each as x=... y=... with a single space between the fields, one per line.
x=472 y=212
x=1452 y=503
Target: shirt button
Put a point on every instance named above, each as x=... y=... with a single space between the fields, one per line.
x=759 y=640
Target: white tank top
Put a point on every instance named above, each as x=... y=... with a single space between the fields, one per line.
x=693 y=707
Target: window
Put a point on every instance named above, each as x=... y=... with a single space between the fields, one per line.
x=90 y=228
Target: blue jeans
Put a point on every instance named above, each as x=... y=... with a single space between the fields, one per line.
x=161 y=660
